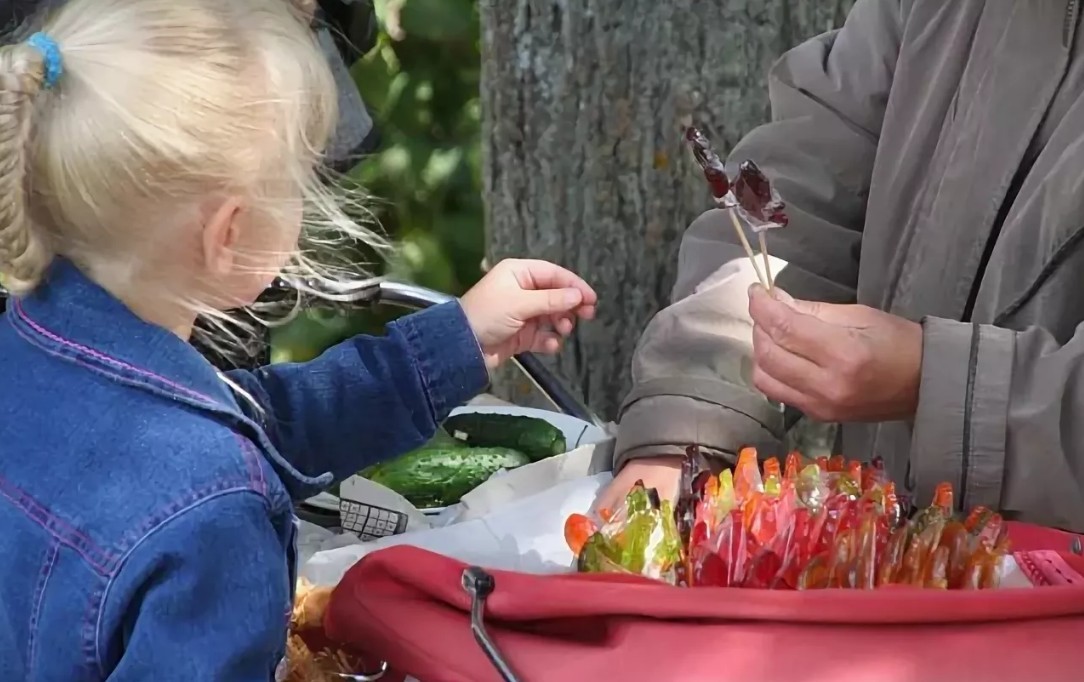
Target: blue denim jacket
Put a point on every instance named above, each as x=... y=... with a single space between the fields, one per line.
x=148 y=531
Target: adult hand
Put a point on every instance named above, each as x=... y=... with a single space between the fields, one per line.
x=661 y=473
x=526 y=305
x=835 y=363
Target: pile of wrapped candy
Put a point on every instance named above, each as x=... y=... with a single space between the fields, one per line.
x=800 y=525
x=309 y=658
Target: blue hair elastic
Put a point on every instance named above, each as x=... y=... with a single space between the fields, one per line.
x=50 y=52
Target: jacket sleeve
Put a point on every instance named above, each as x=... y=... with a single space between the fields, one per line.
x=204 y=597
x=691 y=371
x=998 y=417
x=369 y=398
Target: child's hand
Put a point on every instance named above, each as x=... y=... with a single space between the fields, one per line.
x=526 y=305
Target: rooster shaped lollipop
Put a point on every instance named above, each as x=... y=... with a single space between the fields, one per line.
x=751 y=195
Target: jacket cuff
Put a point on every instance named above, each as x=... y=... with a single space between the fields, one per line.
x=960 y=424
x=446 y=355
x=665 y=425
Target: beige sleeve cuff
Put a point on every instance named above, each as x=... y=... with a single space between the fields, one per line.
x=663 y=425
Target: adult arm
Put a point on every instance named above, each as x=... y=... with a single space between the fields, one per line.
x=692 y=368
x=998 y=416
x=369 y=398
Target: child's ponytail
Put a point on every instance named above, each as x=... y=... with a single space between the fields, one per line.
x=26 y=69
x=110 y=151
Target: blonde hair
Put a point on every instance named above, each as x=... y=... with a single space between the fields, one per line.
x=162 y=103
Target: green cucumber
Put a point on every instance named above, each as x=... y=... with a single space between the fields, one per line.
x=436 y=476
x=440 y=439
x=536 y=438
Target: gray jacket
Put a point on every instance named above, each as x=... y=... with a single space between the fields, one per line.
x=932 y=157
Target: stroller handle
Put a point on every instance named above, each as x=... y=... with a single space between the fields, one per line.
x=381 y=291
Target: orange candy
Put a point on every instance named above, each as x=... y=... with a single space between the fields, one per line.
x=790 y=469
x=747 y=478
x=578 y=528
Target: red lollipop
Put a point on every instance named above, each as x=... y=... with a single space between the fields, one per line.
x=751 y=194
x=711 y=165
x=758 y=200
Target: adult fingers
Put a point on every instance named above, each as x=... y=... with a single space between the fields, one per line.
x=661 y=473
x=832 y=313
x=785 y=367
x=801 y=334
x=776 y=390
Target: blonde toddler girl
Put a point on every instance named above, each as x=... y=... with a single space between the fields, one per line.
x=159 y=161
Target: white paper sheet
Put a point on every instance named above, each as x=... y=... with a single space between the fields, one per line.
x=372 y=511
x=522 y=535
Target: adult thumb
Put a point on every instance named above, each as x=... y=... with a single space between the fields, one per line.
x=532 y=303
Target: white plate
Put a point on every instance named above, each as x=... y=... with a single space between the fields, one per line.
x=577 y=432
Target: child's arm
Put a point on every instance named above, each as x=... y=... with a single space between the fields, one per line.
x=203 y=597
x=372 y=398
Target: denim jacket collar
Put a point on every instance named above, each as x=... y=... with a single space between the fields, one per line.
x=71 y=316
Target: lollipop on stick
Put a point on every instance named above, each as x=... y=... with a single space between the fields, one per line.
x=760 y=205
x=751 y=195
x=715 y=174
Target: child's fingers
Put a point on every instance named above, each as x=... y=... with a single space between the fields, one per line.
x=531 y=305
x=586 y=312
x=546 y=343
x=562 y=324
x=537 y=274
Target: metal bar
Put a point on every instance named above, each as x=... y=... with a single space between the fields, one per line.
x=554 y=390
x=479 y=585
x=365 y=677
x=409 y=295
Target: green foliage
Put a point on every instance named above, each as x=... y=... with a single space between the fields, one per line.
x=421 y=84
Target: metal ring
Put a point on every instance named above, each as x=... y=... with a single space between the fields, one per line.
x=366 y=677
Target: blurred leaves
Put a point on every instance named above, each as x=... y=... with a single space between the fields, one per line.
x=421 y=85
x=422 y=90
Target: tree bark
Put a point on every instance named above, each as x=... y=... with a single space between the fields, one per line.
x=583 y=108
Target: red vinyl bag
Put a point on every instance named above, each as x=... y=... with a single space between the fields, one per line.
x=408 y=607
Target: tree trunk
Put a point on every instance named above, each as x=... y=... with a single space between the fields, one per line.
x=583 y=107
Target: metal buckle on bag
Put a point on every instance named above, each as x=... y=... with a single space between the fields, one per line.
x=479 y=585
x=283 y=667
x=366 y=677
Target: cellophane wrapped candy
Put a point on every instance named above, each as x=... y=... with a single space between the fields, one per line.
x=639 y=538
x=306 y=663
x=751 y=193
x=797 y=525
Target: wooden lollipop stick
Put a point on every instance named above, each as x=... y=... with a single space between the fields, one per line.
x=747 y=247
x=767 y=263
